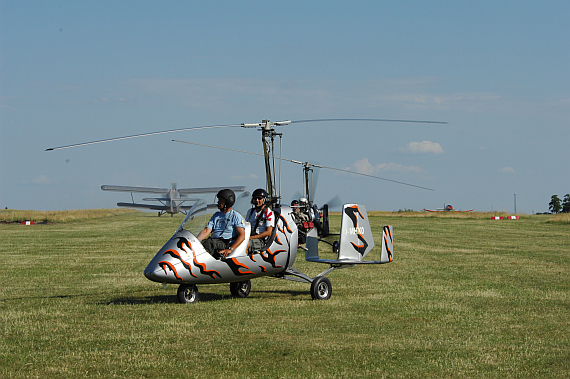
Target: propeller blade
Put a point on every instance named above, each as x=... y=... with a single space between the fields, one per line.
x=297 y=195
x=335 y=202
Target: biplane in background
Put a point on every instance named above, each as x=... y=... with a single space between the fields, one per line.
x=447 y=208
x=172 y=200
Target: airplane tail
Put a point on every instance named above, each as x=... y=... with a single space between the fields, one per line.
x=387 y=254
x=355 y=234
x=356 y=240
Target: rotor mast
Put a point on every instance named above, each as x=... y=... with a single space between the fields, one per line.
x=268 y=135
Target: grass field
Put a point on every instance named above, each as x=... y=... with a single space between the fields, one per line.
x=465 y=297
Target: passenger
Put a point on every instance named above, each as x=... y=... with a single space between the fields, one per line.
x=262 y=221
x=226 y=226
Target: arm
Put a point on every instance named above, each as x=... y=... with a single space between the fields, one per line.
x=266 y=233
x=240 y=238
x=204 y=234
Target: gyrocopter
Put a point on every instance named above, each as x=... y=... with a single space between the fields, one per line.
x=184 y=261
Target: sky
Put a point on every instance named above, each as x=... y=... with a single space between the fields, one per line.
x=498 y=72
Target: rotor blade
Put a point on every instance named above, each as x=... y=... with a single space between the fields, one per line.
x=376 y=177
x=143 y=135
x=302 y=163
x=368 y=119
x=279 y=123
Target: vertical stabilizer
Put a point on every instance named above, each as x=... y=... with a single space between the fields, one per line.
x=387 y=254
x=355 y=234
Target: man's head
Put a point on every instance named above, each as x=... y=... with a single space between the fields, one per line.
x=258 y=197
x=226 y=199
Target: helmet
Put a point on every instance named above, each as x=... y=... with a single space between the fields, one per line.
x=228 y=196
x=303 y=202
x=260 y=192
x=294 y=202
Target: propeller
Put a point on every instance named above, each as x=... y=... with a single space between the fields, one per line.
x=335 y=202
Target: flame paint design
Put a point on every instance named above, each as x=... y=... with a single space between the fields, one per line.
x=205 y=271
x=269 y=257
x=236 y=267
x=176 y=254
x=284 y=228
x=165 y=264
x=185 y=245
x=352 y=213
x=388 y=234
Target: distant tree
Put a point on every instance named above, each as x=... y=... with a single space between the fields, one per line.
x=554 y=204
x=566 y=203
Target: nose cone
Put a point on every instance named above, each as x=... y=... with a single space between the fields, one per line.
x=172 y=262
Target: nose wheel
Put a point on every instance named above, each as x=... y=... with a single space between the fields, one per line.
x=321 y=288
x=188 y=293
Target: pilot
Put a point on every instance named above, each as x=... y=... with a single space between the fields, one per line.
x=226 y=226
x=262 y=221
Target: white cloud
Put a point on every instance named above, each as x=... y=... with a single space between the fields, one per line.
x=422 y=148
x=363 y=166
x=508 y=170
x=42 y=179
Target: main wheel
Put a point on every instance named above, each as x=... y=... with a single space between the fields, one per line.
x=321 y=288
x=240 y=289
x=188 y=293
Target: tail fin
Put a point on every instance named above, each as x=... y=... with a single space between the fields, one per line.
x=355 y=234
x=387 y=254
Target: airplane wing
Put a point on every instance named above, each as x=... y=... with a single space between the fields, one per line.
x=209 y=207
x=134 y=189
x=180 y=199
x=431 y=210
x=186 y=191
x=144 y=206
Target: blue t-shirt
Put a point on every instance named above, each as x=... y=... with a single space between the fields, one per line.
x=223 y=225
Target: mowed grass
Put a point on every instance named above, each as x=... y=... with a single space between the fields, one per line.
x=464 y=297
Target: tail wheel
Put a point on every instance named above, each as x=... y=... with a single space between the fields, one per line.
x=240 y=289
x=188 y=293
x=335 y=247
x=321 y=288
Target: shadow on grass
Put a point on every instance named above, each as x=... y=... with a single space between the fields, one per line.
x=171 y=298
x=204 y=297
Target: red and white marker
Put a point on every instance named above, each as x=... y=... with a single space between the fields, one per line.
x=496 y=218
x=28 y=223
x=513 y=217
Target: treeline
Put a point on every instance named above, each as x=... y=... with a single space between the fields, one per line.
x=559 y=206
